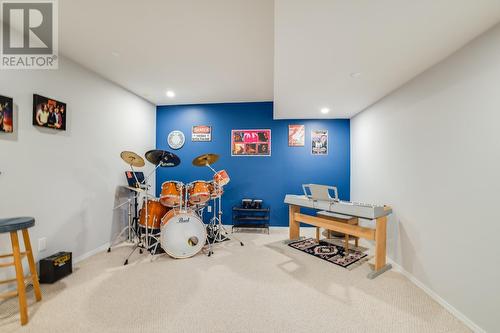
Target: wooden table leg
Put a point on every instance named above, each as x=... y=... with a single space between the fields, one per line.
x=380 y=242
x=346 y=246
x=31 y=261
x=294 y=226
x=21 y=290
x=317 y=234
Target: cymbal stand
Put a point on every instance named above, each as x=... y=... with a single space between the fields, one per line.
x=152 y=172
x=132 y=234
x=143 y=239
x=218 y=230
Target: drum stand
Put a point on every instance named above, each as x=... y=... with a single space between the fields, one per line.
x=216 y=229
x=142 y=242
x=132 y=232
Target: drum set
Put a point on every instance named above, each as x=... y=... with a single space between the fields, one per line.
x=173 y=223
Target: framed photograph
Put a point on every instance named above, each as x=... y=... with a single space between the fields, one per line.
x=6 y=114
x=49 y=113
x=201 y=133
x=319 y=142
x=255 y=142
x=296 y=135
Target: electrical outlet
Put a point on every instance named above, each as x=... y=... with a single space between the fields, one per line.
x=42 y=244
x=209 y=209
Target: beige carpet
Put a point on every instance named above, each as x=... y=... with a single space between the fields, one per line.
x=264 y=286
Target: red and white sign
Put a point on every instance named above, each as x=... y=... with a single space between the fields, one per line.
x=201 y=133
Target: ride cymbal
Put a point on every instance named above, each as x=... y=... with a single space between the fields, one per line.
x=163 y=158
x=205 y=159
x=132 y=159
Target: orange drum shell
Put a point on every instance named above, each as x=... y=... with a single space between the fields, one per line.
x=213 y=192
x=156 y=211
x=170 y=195
x=221 y=177
x=199 y=192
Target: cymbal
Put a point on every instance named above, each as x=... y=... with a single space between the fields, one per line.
x=132 y=159
x=205 y=159
x=163 y=158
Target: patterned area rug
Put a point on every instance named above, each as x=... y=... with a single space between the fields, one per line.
x=329 y=252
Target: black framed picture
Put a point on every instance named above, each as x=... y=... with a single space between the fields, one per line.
x=49 y=113
x=6 y=114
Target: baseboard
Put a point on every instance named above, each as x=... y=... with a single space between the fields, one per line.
x=91 y=253
x=450 y=308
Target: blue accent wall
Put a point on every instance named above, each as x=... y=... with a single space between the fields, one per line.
x=266 y=178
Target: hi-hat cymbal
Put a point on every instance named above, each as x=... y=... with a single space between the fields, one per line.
x=205 y=159
x=164 y=158
x=132 y=159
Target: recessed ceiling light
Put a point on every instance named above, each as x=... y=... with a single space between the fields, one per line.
x=170 y=94
x=355 y=75
x=325 y=110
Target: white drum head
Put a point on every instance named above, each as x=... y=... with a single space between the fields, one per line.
x=183 y=235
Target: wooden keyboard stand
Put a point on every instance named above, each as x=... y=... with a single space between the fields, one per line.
x=378 y=234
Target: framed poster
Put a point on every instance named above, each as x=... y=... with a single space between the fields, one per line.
x=201 y=133
x=296 y=135
x=6 y=114
x=255 y=142
x=319 y=142
x=49 y=113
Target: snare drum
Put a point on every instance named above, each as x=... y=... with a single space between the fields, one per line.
x=171 y=192
x=221 y=177
x=199 y=192
x=155 y=213
x=215 y=191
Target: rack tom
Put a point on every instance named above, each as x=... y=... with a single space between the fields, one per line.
x=171 y=192
x=199 y=192
x=215 y=190
x=221 y=177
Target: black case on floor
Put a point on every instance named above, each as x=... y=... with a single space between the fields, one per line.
x=56 y=267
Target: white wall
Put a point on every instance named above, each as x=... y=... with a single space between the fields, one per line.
x=69 y=181
x=431 y=150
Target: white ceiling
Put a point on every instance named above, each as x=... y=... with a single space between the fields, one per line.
x=205 y=51
x=224 y=50
x=320 y=43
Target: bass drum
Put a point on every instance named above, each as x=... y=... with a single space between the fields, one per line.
x=183 y=234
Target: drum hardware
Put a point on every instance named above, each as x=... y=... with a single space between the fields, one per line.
x=171 y=193
x=205 y=159
x=132 y=233
x=132 y=159
x=183 y=233
x=216 y=230
x=149 y=221
x=161 y=158
x=199 y=192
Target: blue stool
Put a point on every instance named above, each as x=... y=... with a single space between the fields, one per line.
x=12 y=225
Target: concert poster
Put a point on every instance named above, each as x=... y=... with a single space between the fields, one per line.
x=6 y=114
x=319 y=142
x=49 y=113
x=254 y=142
x=296 y=135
